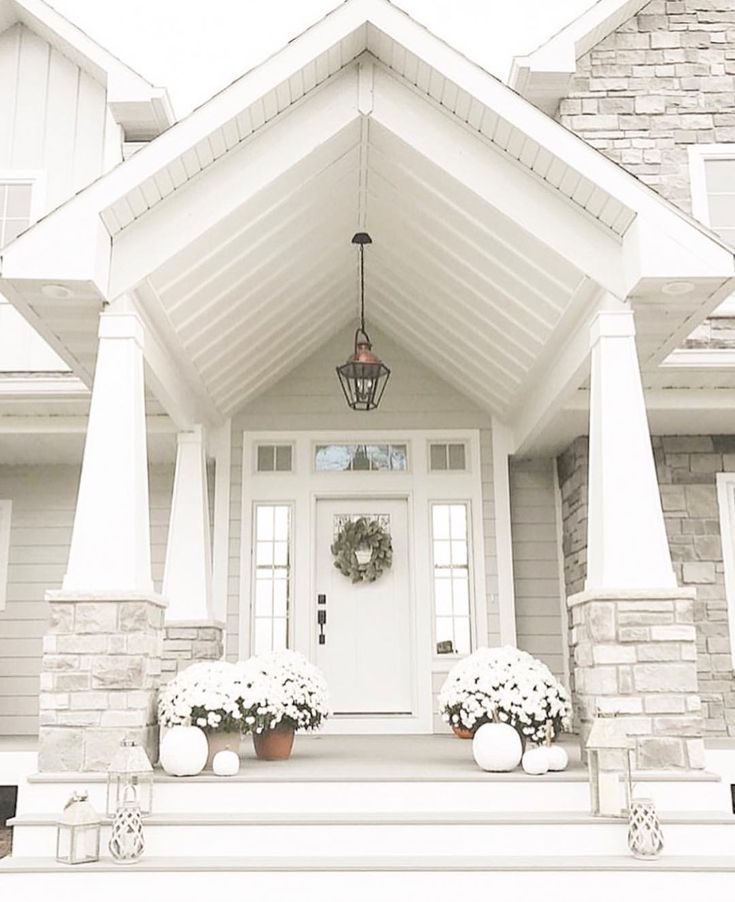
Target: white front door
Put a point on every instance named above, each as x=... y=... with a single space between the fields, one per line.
x=367 y=654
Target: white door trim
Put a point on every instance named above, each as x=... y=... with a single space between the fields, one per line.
x=303 y=486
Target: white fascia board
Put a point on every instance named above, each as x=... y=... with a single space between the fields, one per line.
x=700 y=358
x=31 y=387
x=543 y=76
x=124 y=85
x=345 y=20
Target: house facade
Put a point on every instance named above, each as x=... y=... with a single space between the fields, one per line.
x=549 y=282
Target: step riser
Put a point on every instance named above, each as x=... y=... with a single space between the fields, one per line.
x=421 y=840
x=320 y=886
x=228 y=797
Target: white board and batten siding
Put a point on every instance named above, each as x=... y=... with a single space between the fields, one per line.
x=309 y=399
x=53 y=117
x=539 y=591
x=43 y=500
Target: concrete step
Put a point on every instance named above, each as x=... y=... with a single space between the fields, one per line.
x=419 y=834
x=280 y=791
x=365 y=877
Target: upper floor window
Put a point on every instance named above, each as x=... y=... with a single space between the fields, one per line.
x=712 y=173
x=713 y=187
x=15 y=209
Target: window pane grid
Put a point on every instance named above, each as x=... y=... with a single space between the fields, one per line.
x=447 y=456
x=451 y=578
x=272 y=589
x=719 y=177
x=15 y=210
x=370 y=457
x=273 y=458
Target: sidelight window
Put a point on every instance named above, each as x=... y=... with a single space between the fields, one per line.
x=451 y=575
x=272 y=577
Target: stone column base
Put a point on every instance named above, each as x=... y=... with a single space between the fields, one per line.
x=635 y=655
x=187 y=641
x=100 y=674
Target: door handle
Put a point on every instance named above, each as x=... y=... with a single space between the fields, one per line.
x=321 y=619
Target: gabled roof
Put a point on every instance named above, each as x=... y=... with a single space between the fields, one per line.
x=142 y=109
x=496 y=230
x=543 y=76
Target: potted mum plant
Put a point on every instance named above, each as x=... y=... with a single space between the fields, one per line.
x=205 y=695
x=507 y=685
x=281 y=693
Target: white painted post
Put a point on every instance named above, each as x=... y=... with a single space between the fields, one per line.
x=502 y=442
x=627 y=547
x=187 y=577
x=222 y=448
x=110 y=545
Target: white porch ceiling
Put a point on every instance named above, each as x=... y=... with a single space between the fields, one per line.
x=495 y=231
x=257 y=294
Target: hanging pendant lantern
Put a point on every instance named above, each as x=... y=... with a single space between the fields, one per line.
x=364 y=376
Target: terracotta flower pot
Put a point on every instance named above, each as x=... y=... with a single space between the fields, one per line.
x=462 y=732
x=218 y=741
x=275 y=744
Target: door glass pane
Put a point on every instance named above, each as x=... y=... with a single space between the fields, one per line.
x=272 y=577
x=456 y=457
x=265 y=458
x=451 y=578
x=438 y=457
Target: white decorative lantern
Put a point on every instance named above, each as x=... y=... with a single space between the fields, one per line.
x=226 y=763
x=78 y=832
x=184 y=751
x=497 y=747
x=130 y=767
x=126 y=839
x=645 y=837
x=610 y=790
x=536 y=761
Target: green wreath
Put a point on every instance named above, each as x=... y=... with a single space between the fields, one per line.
x=359 y=534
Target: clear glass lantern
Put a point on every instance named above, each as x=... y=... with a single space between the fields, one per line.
x=130 y=766
x=609 y=752
x=78 y=832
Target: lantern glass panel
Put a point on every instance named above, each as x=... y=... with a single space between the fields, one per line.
x=130 y=768
x=78 y=832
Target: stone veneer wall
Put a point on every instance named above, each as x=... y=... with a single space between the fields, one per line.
x=634 y=656
x=186 y=643
x=687 y=468
x=100 y=674
x=663 y=81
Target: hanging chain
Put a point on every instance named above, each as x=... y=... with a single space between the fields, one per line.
x=362 y=288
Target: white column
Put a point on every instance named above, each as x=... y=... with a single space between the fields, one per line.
x=187 y=576
x=110 y=545
x=502 y=442
x=627 y=546
x=222 y=449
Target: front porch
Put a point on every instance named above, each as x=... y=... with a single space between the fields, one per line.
x=347 y=812
x=214 y=267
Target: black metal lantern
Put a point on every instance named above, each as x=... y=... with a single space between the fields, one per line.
x=364 y=377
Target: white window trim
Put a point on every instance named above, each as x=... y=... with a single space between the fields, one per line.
x=726 y=502
x=698 y=156
x=6 y=508
x=37 y=180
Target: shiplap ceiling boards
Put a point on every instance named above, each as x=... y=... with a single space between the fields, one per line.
x=497 y=233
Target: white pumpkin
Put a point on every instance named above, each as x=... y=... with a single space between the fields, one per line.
x=497 y=747
x=536 y=761
x=184 y=751
x=557 y=756
x=226 y=763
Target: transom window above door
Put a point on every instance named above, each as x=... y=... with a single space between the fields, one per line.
x=360 y=457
